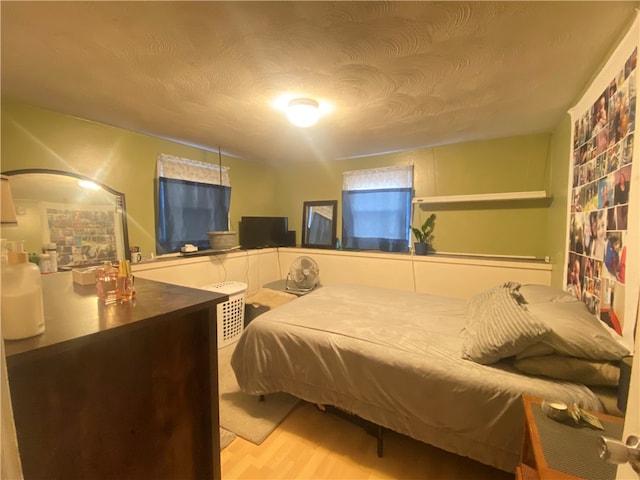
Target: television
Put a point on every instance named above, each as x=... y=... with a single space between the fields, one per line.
x=262 y=232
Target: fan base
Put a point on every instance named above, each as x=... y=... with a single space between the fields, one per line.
x=295 y=289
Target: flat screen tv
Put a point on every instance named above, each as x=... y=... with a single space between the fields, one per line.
x=262 y=232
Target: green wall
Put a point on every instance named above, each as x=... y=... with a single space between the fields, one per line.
x=504 y=165
x=559 y=186
x=125 y=160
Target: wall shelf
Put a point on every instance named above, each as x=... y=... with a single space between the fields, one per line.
x=481 y=197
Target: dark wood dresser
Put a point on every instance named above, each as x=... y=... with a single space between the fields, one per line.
x=126 y=391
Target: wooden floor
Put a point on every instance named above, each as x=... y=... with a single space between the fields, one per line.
x=311 y=444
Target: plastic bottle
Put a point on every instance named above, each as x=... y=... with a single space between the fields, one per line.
x=52 y=250
x=22 y=304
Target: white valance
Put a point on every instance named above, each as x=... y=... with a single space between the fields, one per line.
x=379 y=178
x=324 y=211
x=192 y=170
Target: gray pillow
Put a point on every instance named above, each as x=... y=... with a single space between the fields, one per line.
x=535 y=293
x=535 y=350
x=577 y=370
x=498 y=325
x=575 y=332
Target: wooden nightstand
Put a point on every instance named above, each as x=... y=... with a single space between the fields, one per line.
x=553 y=450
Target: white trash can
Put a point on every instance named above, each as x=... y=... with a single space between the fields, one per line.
x=230 y=314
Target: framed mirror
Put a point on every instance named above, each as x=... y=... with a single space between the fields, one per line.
x=86 y=220
x=319 y=224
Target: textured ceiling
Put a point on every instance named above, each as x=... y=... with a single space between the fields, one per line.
x=397 y=75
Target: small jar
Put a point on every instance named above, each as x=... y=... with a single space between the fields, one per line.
x=45 y=263
x=52 y=250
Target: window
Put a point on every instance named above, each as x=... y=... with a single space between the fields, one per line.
x=193 y=199
x=376 y=209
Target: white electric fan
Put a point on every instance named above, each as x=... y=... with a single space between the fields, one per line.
x=303 y=275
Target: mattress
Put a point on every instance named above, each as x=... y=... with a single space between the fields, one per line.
x=394 y=358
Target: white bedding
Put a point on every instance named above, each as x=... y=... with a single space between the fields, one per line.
x=394 y=358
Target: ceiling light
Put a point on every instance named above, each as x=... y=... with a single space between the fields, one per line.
x=303 y=112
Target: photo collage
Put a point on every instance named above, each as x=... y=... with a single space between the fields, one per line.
x=82 y=237
x=601 y=171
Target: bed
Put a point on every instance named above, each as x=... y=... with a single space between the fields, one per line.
x=440 y=370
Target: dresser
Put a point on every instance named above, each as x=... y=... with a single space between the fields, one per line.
x=118 y=391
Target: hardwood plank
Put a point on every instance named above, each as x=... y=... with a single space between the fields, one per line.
x=313 y=444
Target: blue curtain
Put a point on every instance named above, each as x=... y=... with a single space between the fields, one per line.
x=376 y=219
x=320 y=230
x=186 y=211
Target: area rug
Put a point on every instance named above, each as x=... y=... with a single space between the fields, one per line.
x=226 y=437
x=244 y=414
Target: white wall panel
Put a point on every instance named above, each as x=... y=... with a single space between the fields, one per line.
x=189 y=272
x=434 y=274
x=374 y=269
x=439 y=275
x=254 y=267
x=464 y=277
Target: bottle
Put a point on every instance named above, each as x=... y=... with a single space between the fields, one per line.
x=52 y=250
x=337 y=243
x=107 y=283
x=45 y=263
x=22 y=304
x=126 y=291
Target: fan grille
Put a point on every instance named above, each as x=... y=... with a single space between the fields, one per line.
x=303 y=274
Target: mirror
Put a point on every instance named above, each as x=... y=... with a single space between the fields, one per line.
x=319 y=224
x=86 y=220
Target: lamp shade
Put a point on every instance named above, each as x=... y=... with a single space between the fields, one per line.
x=8 y=211
x=303 y=112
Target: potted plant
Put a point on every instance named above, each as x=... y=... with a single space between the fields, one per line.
x=424 y=235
